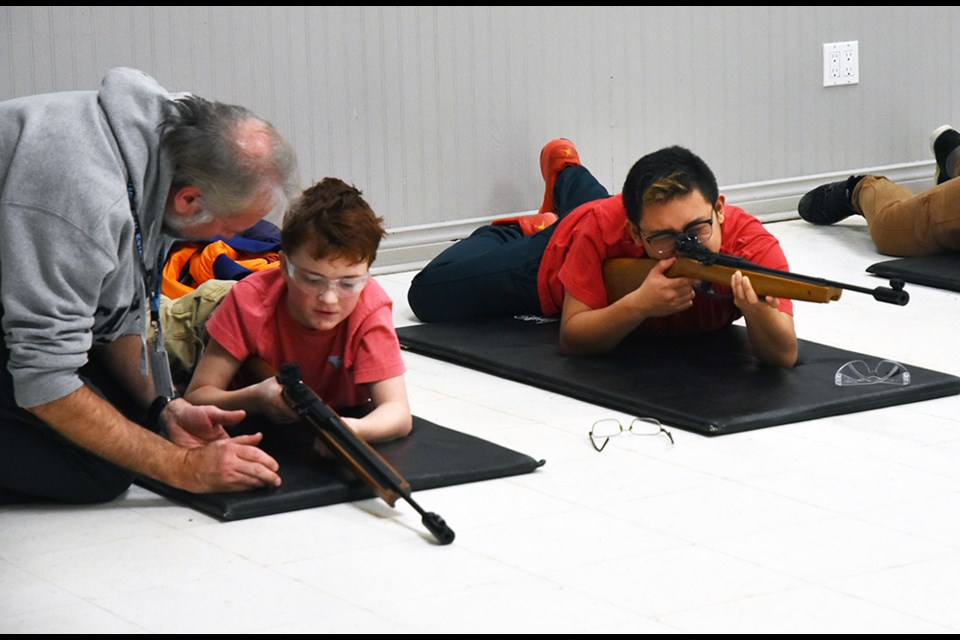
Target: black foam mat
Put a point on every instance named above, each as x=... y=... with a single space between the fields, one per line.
x=706 y=383
x=941 y=271
x=431 y=456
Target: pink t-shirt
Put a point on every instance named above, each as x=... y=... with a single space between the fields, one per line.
x=596 y=231
x=337 y=364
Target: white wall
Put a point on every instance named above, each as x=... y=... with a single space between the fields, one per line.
x=438 y=113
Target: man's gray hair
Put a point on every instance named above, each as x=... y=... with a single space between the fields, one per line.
x=202 y=139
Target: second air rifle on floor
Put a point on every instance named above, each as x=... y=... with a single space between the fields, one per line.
x=345 y=444
x=693 y=260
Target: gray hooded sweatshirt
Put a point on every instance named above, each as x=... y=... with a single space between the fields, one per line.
x=70 y=272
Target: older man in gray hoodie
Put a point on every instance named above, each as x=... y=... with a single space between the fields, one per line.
x=93 y=186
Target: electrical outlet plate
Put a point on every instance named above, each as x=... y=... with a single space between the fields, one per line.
x=841 y=63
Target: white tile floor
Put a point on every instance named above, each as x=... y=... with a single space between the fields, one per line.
x=845 y=524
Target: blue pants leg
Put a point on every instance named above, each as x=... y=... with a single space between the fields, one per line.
x=576 y=186
x=493 y=272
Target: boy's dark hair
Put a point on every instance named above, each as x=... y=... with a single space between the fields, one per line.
x=663 y=175
x=331 y=219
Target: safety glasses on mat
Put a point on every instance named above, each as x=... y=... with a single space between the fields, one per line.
x=858 y=372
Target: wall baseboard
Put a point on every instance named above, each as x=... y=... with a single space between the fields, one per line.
x=410 y=248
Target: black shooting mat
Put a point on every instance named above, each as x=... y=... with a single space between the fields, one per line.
x=941 y=271
x=706 y=383
x=431 y=456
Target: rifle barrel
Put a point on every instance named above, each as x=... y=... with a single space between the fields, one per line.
x=690 y=247
x=360 y=456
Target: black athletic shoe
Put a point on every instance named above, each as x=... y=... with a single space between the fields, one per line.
x=944 y=141
x=829 y=203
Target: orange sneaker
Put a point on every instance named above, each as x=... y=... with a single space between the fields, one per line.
x=554 y=156
x=530 y=224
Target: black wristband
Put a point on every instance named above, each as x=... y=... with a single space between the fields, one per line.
x=156 y=408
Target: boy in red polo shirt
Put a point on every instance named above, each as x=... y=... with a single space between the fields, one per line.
x=515 y=269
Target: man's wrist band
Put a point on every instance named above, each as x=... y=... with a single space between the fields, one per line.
x=156 y=408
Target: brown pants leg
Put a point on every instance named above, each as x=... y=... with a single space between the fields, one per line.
x=904 y=224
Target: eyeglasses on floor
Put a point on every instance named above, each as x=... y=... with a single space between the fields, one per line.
x=603 y=430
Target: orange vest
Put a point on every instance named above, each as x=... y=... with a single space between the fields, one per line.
x=191 y=263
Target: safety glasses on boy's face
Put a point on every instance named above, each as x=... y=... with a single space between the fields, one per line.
x=319 y=285
x=663 y=243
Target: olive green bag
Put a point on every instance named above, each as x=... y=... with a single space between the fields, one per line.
x=184 y=325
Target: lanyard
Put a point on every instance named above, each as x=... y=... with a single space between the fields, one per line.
x=159 y=363
x=153 y=291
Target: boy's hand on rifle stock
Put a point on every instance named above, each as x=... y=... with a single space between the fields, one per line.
x=747 y=299
x=660 y=295
x=269 y=395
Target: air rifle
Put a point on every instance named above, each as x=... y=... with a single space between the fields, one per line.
x=368 y=465
x=693 y=260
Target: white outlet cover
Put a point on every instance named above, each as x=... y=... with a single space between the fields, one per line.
x=841 y=63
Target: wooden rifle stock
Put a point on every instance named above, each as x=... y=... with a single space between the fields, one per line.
x=693 y=260
x=623 y=275
x=362 y=459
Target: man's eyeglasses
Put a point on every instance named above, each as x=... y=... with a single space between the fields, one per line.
x=319 y=285
x=603 y=430
x=664 y=243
